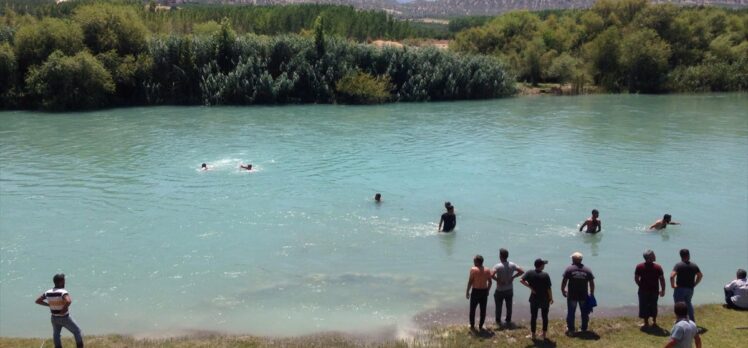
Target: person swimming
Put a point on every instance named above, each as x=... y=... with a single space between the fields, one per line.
x=593 y=224
x=378 y=197
x=204 y=167
x=662 y=223
x=248 y=166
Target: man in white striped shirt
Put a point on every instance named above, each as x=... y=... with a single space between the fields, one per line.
x=58 y=300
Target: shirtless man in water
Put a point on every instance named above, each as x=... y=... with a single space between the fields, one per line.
x=247 y=167
x=593 y=224
x=660 y=224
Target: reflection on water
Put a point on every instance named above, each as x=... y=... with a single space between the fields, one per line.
x=154 y=244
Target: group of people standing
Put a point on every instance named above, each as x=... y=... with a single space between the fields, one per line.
x=578 y=287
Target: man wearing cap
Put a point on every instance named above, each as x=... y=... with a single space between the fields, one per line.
x=58 y=300
x=683 y=279
x=504 y=273
x=541 y=296
x=579 y=277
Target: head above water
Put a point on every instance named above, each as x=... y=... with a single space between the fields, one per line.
x=595 y=213
x=478 y=260
x=503 y=254
x=667 y=218
x=204 y=166
x=741 y=273
x=649 y=255
x=378 y=197
x=448 y=204
x=59 y=280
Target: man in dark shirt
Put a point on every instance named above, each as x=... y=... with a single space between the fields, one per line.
x=448 y=220
x=651 y=281
x=541 y=296
x=688 y=276
x=578 y=276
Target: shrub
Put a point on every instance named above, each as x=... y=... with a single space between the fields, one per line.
x=362 y=88
x=70 y=82
x=35 y=42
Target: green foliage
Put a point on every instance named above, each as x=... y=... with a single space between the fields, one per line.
x=8 y=73
x=109 y=27
x=621 y=45
x=362 y=88
x=70 y=82
x=644 y=59
x=36 y=41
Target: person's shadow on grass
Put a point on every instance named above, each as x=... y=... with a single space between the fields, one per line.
x=654 y=331
x=546 y=343
x=587 y=335
x=483 y=333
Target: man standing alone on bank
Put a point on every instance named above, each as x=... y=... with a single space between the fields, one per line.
x=480 y=281
x=504 y=273
x=58 y=300
x=651 y=281
x=579 y=277
x=684 y=278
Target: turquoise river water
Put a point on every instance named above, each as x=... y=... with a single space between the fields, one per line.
x=151 y=244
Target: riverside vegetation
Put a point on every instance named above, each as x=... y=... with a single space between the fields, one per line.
x=720 y=328
x=122 y=53
x=104 y=54
x=620 y=46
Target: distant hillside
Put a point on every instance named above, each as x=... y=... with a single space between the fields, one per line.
x=448 y=8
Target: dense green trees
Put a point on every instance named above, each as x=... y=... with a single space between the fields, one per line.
x=70 y=82
x=621 y=45
x=103 y=54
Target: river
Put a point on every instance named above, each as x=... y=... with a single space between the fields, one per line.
x=150 y=243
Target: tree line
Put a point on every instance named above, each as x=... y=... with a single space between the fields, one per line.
x=621 y=46
x=101 y=54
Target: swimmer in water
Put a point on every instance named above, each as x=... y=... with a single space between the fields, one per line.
x=448 y=220
x=204 y=167
x=593 y=224
x=660 y=224
x=247 y=167
x=378 y=198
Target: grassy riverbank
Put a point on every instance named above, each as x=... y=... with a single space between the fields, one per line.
x=721 y=327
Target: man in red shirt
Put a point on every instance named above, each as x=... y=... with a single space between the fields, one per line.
x=651 y=281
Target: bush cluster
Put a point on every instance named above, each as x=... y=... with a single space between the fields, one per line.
x=103 y=54
x=621 y=45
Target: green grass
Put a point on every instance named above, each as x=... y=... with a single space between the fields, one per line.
x=722 y=328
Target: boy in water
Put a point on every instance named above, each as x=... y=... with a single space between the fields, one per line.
x=593 y=224
x=448 y=220
x=378 y=198
x=247 y=167
x=660 y=224
x=204 y=167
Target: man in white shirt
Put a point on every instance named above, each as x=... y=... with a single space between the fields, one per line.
x=736 y=291
x=58 y=300
x=684 y=332
x=504 y=273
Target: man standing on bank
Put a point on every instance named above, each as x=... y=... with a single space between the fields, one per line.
x=541 y=296
x=480 y=281
x=579 y=277
x=684 y=278
x=651 y=281
x=58 y=300
x=504 y=273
